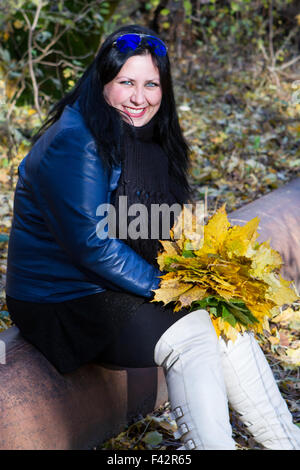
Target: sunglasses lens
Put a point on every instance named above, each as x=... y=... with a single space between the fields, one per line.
x=128 y=41
x=157 y=45
x=131 y=41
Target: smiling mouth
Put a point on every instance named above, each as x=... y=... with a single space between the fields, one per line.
x=135 y=111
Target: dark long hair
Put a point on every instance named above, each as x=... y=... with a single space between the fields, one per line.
x=105 y=122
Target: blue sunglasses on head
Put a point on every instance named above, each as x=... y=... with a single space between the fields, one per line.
x=133 y=40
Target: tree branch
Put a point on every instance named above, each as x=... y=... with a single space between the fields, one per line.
x=287 y=39
x=271 y=47
x=288 y=64
x=31 y=28
x=80 y=15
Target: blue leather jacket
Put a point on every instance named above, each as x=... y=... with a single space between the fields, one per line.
x=54 y=252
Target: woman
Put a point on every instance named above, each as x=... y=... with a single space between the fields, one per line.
x=80 y=294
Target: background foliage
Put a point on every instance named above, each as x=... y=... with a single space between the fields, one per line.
x=46 y=45
x=236 y=70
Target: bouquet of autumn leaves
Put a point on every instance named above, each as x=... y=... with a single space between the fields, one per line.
x=225 y=271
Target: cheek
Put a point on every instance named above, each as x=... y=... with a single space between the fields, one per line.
x=114 y=95
x=156 y=98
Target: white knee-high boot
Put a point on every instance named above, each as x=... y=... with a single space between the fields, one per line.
x=252 y=392
x=189 y=353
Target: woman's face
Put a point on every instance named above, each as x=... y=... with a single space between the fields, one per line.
x=136 y=90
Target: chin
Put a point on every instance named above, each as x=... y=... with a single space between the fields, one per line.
x=142 y=122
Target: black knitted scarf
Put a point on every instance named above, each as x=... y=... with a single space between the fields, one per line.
x=145 y=179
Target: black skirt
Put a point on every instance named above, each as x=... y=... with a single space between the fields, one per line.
x=111 y=327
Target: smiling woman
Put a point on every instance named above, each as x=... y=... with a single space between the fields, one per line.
x=74 y=293
x=79 y=296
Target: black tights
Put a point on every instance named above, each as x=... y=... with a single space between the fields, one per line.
x=134 y=345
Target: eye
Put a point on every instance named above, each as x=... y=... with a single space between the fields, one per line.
x=152 y=84
x=126 y=82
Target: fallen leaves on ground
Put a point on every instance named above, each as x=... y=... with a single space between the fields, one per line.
x=155 y=431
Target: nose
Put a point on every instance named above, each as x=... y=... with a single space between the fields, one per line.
x=138 y=96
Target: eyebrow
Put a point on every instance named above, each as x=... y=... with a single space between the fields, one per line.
x=133 y=80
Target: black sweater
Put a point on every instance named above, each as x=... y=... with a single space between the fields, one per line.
x=145 y=180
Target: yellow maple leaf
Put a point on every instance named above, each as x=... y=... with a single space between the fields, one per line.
x=291 y=358
x=274 y=340
x=240 y=238
x=170 y=294
x=224 y=329
x=195 y=293
x=18 y=24
x=294 y=355
x=215 y=233
x=169 y=247
x=287 y=316
x=219 y=138
x=215 y=323
x=280 y=290
x=264 y=260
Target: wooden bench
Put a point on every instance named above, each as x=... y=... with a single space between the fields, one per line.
x=42 y=409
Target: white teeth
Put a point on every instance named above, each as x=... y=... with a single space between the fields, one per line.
x=134 y=111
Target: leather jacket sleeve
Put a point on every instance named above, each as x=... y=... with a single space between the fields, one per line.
x=70 y=184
